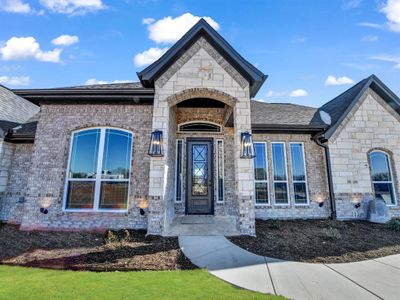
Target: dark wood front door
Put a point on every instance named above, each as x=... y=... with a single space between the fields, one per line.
x=199 y=177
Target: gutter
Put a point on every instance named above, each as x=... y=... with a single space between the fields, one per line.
x=317 y=139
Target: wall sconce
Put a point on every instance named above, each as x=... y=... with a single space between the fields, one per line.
x=321 y=204
x=44 y=210
x=155 y=147
x=358 y=205
x=246 y=145
x=141 y=211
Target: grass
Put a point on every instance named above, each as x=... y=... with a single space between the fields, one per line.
x=30 y=283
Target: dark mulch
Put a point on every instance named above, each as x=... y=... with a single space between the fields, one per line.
x=321 y=241
x=115 y=250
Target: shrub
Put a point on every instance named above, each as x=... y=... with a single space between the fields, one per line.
x=394 y=224
x=332 y=233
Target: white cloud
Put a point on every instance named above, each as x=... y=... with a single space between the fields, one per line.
x=299 y=40
x=15 y=80
x=23 y=48
x=169 y=30
x=350 y=4
x=371 y=25
x=73 y=7
x=392 y=11
x=65 y=40
x=388 y=58
x=369 y=38
x=95 y=81
x=343 y=80
x=15 y=6
x=148 y=56
x=147 y=21
x=272 y=93
x=298 y=93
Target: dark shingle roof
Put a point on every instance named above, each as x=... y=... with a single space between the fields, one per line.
x=107 y=86
x=284 y=114
x=25 y=129
x=6 y=125
x=339 y=107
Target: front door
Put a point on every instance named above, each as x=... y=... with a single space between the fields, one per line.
x=199 y=177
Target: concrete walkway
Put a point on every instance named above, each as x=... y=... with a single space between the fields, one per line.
x=372 y=279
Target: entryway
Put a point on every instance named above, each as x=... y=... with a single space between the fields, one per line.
x=199 y=200
x=202 y=225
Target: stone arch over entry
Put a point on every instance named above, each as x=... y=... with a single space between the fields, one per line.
x=201 y=93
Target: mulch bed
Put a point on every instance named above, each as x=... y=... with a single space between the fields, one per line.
x=321 y=241
x=122 y=250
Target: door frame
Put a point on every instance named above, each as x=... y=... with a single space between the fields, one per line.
x=211 y=141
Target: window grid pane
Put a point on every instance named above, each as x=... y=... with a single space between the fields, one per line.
x=220 y=175
x=381 y=177
x=178 y=181
x=260 y=174
x=298 y=173
x=104 y=156
x=279 y=173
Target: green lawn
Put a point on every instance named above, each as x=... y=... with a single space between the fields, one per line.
x=31 y=283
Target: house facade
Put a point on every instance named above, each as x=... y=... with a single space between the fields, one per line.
x=188 y=140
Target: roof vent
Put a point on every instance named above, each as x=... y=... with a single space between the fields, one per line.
x=325 y=117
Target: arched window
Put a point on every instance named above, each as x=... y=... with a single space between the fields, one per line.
x=98 y=170
x=199 y=127
x=381 y=176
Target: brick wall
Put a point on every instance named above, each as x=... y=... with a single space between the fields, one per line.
x=316 y=180
x=372 y=124
x=49 y=163
x=16 y=191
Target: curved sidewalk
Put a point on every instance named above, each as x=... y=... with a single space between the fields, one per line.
x=372 y=279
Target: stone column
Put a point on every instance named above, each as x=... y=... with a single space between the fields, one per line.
x=244 y=175
x=158 y=169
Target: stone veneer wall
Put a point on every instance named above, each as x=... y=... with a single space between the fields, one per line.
x=201 y=67
x=372 y=124
x=49 y=162
x=16 y=192
x=6 y=153
x=317 y=183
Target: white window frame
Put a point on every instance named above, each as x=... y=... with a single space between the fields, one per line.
x=176 y=171
x=305 y=181
x=217 y=169
x=280 y=181
x=263 y=181
x=98 y=180
x=390 y=172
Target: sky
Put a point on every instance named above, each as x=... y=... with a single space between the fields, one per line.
x=312 y=50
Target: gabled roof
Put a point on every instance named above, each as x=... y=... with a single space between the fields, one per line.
x=255 y=77
x=339 y=107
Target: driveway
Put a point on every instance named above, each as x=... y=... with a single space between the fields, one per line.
x=372 y=279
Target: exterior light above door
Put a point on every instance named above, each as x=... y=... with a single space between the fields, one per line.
x=155 y=147
x=246 y=145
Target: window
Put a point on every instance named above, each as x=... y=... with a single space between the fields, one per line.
x=299 y=173
x=99 y=170
x=279 y=173
x=200 y=127
x=178 y=170
x=220 y=170
x=261 y=173
x=381 y=176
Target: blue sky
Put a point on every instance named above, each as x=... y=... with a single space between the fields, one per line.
x=311 y=50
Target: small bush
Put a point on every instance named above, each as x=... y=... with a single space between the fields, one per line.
x=394 y=224
x=274 y=224
x=332 y=233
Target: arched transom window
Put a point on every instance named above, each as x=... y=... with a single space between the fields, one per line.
x=199 y=126
x=98 y=170
x=381 y=176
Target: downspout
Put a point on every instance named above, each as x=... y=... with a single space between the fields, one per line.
x=316 y=139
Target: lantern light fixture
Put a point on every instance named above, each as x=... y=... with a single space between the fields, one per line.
x=246 y=145
x=155 y=147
